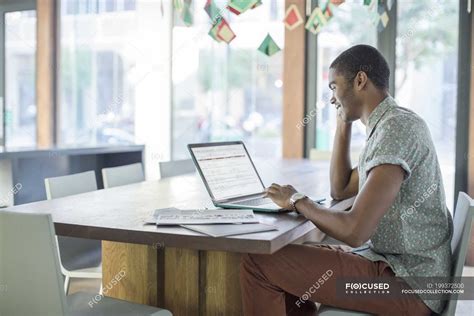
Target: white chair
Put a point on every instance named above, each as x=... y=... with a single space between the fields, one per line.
x=117 y=176
x=176 y=168
x=459 y=245
x=79 y=258
x=29 y=274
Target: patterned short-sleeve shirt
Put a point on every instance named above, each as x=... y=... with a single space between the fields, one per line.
x=414 y=236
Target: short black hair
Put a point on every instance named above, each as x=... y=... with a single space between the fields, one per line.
x=363 y=58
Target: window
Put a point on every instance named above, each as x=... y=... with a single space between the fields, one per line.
x=20 y=78
x=228 y=92
x=350 y=25
x=426 y=73
x=108 y=70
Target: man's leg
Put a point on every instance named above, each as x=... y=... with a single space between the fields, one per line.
x=270 y=282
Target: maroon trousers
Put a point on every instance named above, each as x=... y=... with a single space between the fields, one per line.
x=284 y=283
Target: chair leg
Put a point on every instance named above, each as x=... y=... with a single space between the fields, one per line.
x=67 y=281
x=101 y=291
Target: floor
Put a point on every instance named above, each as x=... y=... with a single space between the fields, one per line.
x=464 y=308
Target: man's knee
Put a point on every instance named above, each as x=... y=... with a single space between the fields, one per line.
x=251 y=262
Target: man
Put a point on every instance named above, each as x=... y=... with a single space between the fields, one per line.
x=399 y=213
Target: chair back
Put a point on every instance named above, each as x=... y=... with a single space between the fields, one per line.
x=460 y=242
x=122 y=175
x=71 y=184
x=30 y=282
x=76 y=253
x=176 y=168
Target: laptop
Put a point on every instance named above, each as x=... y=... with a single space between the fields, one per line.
x=230 y=176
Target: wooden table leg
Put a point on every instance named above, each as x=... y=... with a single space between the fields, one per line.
x=130 y=272
x=220 y=285
x=181 y=281
x=184 y=281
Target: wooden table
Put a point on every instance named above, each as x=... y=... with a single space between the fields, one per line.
x=186 y=272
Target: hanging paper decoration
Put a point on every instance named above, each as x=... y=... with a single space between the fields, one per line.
x=316 y=21
x=268 y=46
x=378 y=12
x=383 y=18
x=292 y=18
x=186 y=13
x=259 y=2
x=221 y=31
x=389 y=4
x=213 y=32
x=240 y=6
x=383 y=21
x=224 y=32
x=327 y=12
x=178 y=5
x=212 y=10
x=371 y=4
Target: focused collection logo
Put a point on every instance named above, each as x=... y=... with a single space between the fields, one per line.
x=367 y=288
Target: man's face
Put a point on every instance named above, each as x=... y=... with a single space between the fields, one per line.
x=344 y=97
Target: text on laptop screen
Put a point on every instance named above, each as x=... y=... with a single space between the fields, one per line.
x=228 y=171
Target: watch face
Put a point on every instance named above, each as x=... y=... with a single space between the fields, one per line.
x=297 y=196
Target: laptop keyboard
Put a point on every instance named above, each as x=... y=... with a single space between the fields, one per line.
x=255 y=202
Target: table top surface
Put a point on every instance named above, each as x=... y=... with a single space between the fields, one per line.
x=118 y=214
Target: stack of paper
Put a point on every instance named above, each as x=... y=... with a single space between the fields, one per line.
x=179 y=217
x=216 y=223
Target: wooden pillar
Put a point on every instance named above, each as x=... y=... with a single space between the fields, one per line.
x=294 y=87
x=45 y=71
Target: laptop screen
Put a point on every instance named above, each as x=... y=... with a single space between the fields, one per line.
x=227 y=170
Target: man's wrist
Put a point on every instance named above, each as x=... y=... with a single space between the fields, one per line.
x=294 y=199
x=300 y=201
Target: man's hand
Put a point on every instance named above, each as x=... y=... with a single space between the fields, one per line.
x=341 y=116
x=281 y=195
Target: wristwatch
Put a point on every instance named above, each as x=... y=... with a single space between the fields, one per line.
x=295 y=198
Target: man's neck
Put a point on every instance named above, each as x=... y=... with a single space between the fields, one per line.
x=371 y=104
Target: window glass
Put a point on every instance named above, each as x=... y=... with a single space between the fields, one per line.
x=228 y=92
x=426 y=73
x=20 y=78
x=109 y=61
x=350 y=25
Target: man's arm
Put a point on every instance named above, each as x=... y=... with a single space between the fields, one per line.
x=344 y=180
x=356 y=226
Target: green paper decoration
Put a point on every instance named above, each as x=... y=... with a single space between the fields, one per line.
x=212 y=10
x=268 y=46
x=187 y=15
x=240 y=6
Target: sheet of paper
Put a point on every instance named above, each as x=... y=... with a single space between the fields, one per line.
x=230 y=229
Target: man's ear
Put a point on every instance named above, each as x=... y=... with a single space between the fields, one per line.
x=360 y=80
